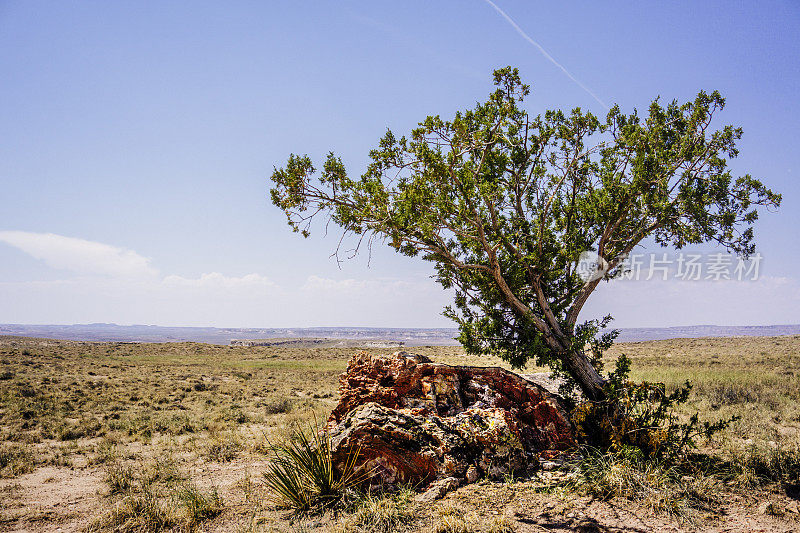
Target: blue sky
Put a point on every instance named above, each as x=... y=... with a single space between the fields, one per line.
x=137 y=139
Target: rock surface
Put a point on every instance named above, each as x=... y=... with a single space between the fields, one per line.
x=416 y=422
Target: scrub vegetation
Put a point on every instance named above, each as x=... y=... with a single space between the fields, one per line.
x=178 y=437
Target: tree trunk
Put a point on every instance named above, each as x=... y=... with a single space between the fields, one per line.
x=588 y=379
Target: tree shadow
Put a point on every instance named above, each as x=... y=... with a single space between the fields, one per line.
x=792 y=490
x=582 y=525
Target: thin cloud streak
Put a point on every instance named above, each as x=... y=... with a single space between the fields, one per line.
x=544 y=52
x=79 y=255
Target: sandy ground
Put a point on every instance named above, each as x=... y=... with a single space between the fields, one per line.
x=61 y=499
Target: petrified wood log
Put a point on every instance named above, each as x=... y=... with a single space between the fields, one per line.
x=417 y=422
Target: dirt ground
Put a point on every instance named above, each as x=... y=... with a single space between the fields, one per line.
x=79 y=421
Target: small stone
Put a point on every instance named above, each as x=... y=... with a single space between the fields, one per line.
x=438 y=489
x=549 y=465
x=473 y=474
x=771 y=509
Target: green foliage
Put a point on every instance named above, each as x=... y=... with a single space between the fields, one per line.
x=642 y=416
x=504 y=203
x=302 y=474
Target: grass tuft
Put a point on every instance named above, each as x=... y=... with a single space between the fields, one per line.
x=381 y=513
x=450 y=520
x=140 y=511
x=278 y=406
x=758 y=465
x=198 y=505
x=655 y=484
x=119 y=478
x=16 y=459
x=223 y=448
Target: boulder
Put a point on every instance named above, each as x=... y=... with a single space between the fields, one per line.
x=416 y=422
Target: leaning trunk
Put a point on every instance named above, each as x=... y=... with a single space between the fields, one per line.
x=581 y=369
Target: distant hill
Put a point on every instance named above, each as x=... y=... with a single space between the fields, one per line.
x=410 y=337
x=690 y=332
x=144 y=333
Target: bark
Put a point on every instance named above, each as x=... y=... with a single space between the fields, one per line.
x=581 y=369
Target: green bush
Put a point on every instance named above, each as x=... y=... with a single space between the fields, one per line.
x=641 y=415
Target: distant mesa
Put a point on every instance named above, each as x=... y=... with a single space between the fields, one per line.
x=361 y=337
x=325 y=342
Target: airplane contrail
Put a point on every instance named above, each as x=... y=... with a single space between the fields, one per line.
x=544 y=52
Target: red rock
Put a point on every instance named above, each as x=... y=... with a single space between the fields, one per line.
x=415 y=421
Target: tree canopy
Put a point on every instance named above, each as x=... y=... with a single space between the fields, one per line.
x=504 y=203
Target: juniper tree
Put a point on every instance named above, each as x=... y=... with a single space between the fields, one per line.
x=503 y=203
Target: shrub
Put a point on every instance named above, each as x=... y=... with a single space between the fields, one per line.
x=641 y=415
x=302 y=475
x=278 y=405
x=16 y=459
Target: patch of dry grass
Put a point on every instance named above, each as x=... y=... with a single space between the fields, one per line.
x=191 y=413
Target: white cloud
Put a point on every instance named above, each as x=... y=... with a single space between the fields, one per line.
x=79 y=255
x=218 y=300
x=118 y=285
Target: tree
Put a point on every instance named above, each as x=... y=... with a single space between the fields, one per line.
x=504 y=203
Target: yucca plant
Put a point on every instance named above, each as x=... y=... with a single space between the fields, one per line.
x=302 y=474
